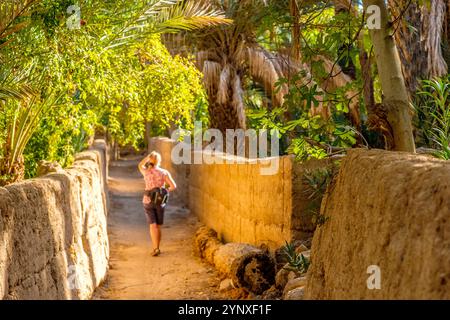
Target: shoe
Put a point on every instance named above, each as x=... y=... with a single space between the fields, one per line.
x=156 y=252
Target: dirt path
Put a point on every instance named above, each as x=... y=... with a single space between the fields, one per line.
x=134 y=273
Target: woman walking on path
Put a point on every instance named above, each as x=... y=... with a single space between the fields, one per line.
x=155 y=196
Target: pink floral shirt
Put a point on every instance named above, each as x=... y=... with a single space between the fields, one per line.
x=154 y=178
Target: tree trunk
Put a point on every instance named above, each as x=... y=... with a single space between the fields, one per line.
x=223 y=117
x=295 y=30
x=249 y=267
x=418 y=36
x=228 y=112
x=148 y=134
x=366 y=74
x=396 y=100
x=433 y=25
x=409 y=40
x=446 y=35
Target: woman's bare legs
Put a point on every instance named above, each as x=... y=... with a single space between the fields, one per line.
x=155 y=234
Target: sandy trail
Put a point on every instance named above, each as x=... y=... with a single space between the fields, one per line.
x=134 y=273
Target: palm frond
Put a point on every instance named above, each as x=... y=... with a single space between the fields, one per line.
x=224 y=83
x=202 y=56
x=188 y=16
x=170 y=16
x=21 y=126
x=10 y=11
x=265 y=68
x=211 y=76
x=238 y=101
x=14 y=83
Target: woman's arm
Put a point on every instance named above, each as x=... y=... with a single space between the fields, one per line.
x=141 y=165
x=169 y=180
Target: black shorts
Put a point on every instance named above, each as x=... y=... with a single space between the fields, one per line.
x=154 y=213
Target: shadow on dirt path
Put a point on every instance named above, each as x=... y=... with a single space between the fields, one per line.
x=134 y=273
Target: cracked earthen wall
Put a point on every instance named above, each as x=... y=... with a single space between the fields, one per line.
x=53 y=232
x=390 y=210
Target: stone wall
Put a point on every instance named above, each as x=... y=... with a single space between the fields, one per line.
x=390 y=210
x=239 y=203
x=53 y=232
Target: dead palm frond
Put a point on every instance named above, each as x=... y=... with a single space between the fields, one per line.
x=237 y=101
x=224 y=83
x=10 y=11
x=266 y=68
x=211 y=73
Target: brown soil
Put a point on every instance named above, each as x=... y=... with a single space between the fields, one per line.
x=134 y=273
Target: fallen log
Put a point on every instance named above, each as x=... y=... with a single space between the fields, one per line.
x=249 y=267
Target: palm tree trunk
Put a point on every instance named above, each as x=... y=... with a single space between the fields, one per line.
x=295 y=30
x=433 y=32
x=446 y=35
x=408 y=37
x=418 y=36
x=396 y=100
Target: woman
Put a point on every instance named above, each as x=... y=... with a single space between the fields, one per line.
x=155 y=178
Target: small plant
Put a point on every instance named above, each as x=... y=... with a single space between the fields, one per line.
x=434 y=115
x=317 y=182
x=297 y=261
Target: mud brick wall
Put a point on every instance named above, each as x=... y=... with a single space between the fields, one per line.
x=53 y=232
x=390 y=210
x=242 y=205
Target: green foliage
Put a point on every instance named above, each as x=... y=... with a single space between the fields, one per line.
x=297 y=262
x=20 y=120
x=311 y=136
x=433 y=115
x=100 y=89
x=330 y=34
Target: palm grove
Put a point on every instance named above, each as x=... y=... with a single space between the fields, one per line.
x=313 y=70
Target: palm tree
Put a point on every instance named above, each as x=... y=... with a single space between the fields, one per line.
x=419 y=36
x=229 y=56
